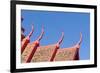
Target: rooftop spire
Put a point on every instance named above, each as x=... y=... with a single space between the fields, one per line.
x=26 y=40
x=41 y=35
x=29 y=35
x=61 y=39
x=36 y=45
x=57 y=47
x=79 y=42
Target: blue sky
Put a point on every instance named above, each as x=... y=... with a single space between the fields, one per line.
x=71 y=23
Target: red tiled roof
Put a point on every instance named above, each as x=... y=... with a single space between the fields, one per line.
x=66 y=54
x=33 y=52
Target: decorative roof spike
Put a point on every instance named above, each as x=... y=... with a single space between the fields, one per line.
x=57 y=47
x=41 y=35
x=31 y=32
x=79 y=42
x=61 y=39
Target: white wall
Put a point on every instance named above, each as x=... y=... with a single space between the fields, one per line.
x=5 y=37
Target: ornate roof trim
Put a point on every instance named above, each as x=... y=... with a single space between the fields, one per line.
x=60 y=40
x=41 y=35
x=30 y=34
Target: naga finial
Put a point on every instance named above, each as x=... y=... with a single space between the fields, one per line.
x=31 y=31
x=61 y=39
x=79 y=42
x=41 y=35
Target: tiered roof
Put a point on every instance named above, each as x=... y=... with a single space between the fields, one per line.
x=34 y=52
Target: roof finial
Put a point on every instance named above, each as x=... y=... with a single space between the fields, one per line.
x=79 y=42
x=31 y=32
x=41 y=35
x=61 y=39
x=57 y=47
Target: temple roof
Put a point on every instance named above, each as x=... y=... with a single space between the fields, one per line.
x=34 y=52
x=65 y=54
x=45 y=53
